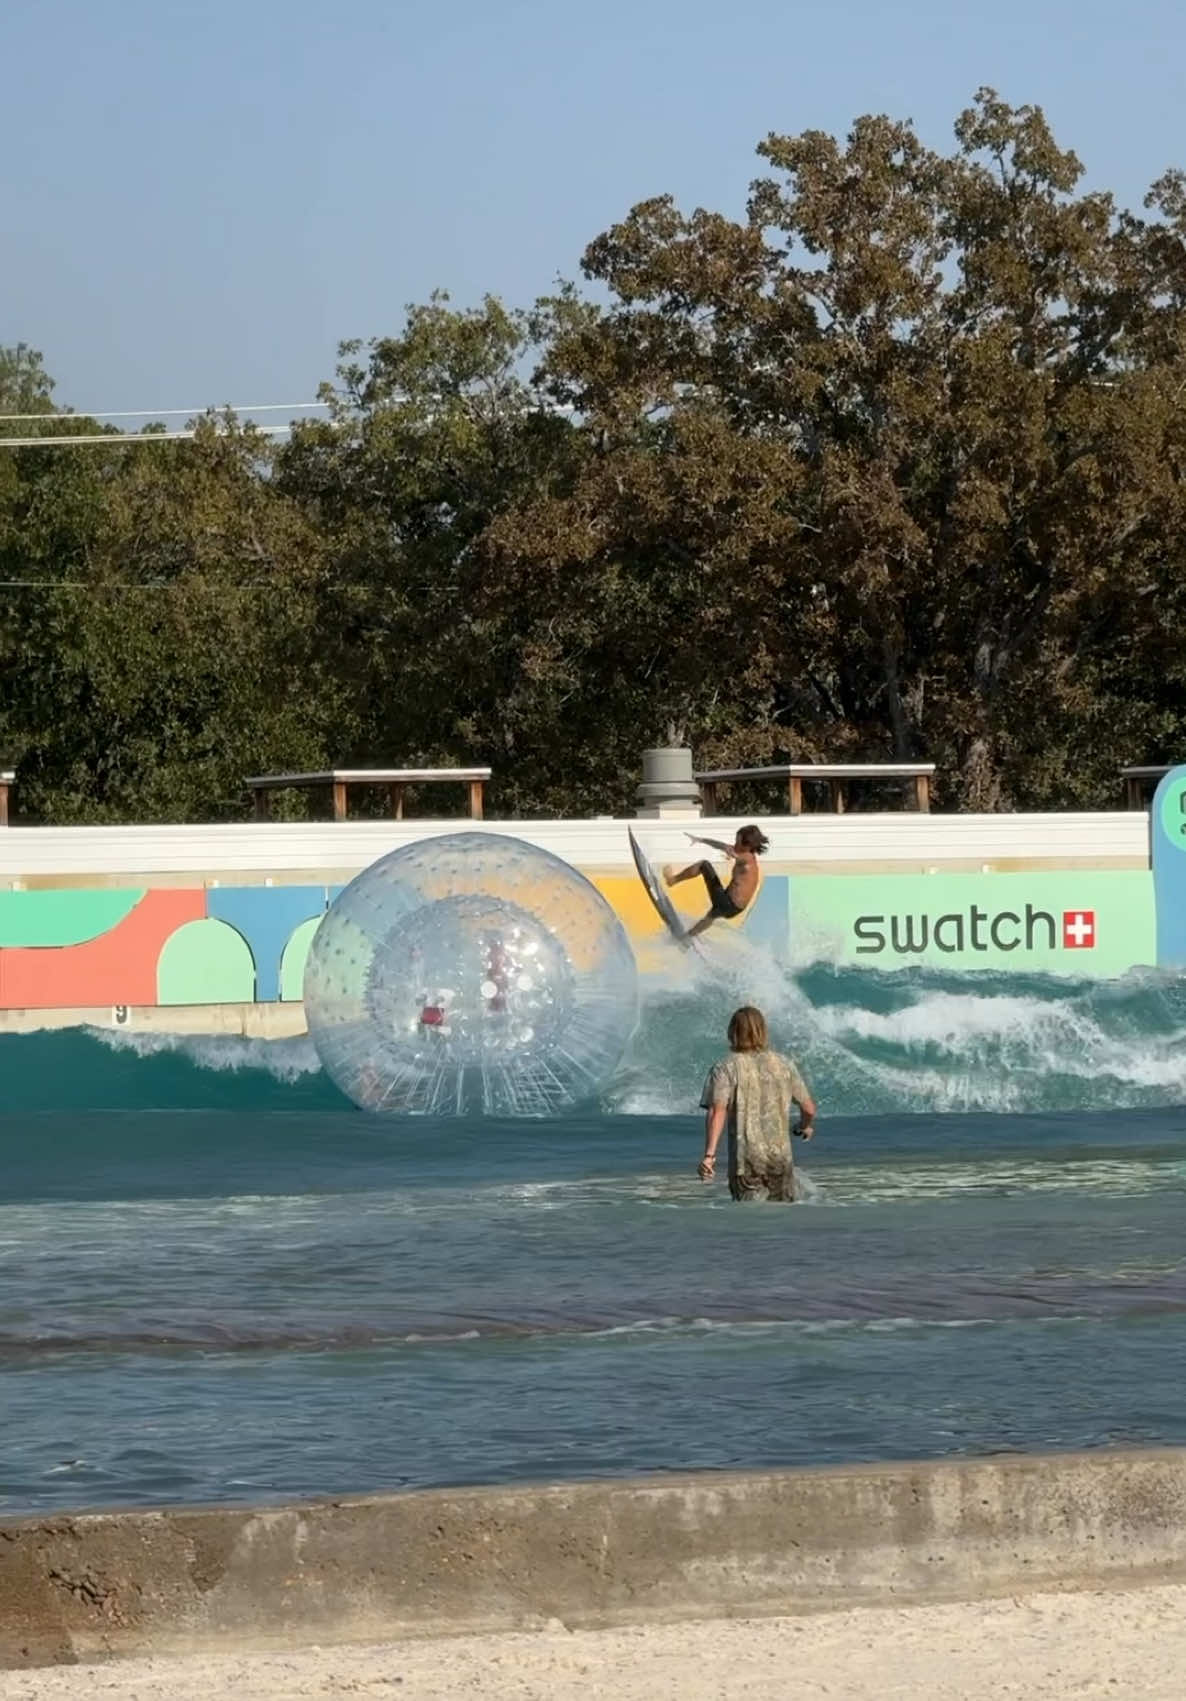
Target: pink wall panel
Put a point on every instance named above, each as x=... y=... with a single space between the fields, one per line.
x=120 y=967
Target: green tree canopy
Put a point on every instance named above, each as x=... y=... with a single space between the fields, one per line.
x=888 y=457
x=159 y=603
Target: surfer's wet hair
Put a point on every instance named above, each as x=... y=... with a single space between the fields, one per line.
x=753 y=839
x=747 y=1030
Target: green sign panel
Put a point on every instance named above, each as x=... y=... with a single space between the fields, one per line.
x=1081 y=922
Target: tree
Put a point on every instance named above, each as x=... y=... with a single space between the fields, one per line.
x=25 y=385
x=431 y=436
x=163 y=641
x=941 y=372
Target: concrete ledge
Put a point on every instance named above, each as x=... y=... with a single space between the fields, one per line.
x=247 y=1021
x=82 y=1588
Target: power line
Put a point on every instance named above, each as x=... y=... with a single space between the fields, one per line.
x=101 y=439
x=167 y=413
x=104 y=437
x=121 y=585
x=186 y=580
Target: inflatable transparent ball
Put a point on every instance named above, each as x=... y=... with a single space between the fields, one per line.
x=470 y=974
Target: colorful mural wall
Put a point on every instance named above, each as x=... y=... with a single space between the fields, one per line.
x=86 y=948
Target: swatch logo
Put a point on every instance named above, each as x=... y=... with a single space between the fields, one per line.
x=974 y=929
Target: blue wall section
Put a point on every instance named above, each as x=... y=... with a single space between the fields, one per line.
x=1167 y=827
x=267 y=917
x=766 y=923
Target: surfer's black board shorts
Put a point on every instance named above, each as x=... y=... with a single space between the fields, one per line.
x=722 y=904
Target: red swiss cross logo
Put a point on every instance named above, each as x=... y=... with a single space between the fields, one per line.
x=1078 y=929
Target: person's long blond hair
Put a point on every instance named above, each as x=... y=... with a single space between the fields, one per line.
x=747 y=1030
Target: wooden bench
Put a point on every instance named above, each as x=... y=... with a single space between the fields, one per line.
x=397 y=781
x=836 y=774
x=7 y=781
x=1138 y=782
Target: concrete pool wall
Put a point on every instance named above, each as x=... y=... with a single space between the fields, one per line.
x=91 y=1586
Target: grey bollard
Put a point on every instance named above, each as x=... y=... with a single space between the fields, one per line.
x=668 y=789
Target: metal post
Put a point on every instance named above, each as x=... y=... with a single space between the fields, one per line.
x=668 y=786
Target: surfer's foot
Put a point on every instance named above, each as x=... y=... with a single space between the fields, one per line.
x=670 y=873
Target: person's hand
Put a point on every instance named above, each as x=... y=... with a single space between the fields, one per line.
x=706 y=1168
x=805 y=1130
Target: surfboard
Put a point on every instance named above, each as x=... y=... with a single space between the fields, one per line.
x=657 y=893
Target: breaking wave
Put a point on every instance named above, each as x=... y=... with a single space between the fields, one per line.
x=870 y=1043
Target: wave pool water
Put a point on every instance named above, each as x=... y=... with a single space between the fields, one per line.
x=217 y=1281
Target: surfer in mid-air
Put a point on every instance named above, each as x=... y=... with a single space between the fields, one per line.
x=725 y=902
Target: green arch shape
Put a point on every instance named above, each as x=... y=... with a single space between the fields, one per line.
x=206 y=962
x=292 y=963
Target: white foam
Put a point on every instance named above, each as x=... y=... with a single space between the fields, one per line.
x=1017 y=1033
x=284 y=1059
x=976 y=1046
x=976 y=1043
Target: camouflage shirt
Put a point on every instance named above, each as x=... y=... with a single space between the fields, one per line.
x=759 y=1088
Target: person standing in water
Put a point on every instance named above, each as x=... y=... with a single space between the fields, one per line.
x=753 y=1090
x=725 y=902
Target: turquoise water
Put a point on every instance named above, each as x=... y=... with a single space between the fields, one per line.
x=217 y=1282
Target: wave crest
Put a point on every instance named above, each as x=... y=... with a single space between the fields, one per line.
x=870 y=1043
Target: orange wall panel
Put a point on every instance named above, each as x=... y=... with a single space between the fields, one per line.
x=120 y=967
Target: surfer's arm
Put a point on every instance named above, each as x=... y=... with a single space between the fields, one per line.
x=713 y=844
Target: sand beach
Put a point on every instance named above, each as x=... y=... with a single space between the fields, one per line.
x=1128 y=1644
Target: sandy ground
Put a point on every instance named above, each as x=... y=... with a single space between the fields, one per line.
x=1124 y=1645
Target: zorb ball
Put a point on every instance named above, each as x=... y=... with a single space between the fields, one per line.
x=470 y=973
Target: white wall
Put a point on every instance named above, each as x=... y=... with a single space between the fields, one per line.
x=911 y=840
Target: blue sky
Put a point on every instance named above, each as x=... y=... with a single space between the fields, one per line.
x=202 y=197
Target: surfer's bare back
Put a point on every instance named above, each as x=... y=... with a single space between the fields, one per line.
x=725 y=902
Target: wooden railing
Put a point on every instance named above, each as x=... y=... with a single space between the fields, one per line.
x=396 y=780
x=835 y=774
x=1139 y=782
